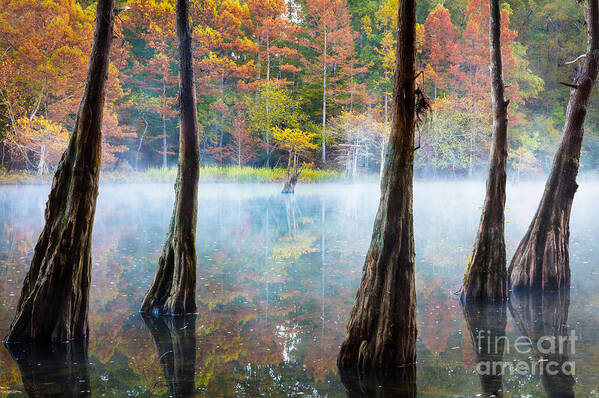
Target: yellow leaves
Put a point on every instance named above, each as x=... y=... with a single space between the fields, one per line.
x=387 y=14
x=39 y=135
x=294 y=139
x=420 y=37
x=41 y=131
x=293 y=248
x=366 y=25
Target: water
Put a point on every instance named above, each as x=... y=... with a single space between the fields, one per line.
x=276 y=280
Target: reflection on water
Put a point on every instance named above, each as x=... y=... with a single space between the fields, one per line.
x=175 y=341
x=543 y=318
x=486 y=323
x=398 y=383
x=58 y=370
x=277 y=277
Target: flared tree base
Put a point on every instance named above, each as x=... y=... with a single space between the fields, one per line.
x=173 y=289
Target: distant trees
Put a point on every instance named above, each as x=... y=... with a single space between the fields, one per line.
x=44 y=48
x=239 y=47
x=154 y=69
x=329 y=39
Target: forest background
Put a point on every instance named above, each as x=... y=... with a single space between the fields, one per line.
x=318 y=70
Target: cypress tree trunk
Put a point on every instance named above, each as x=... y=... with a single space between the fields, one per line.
x=486 y=277
x=292 y=174
x=175 y=341
x=487 y=323
x=54 y=300
x=543 y=315
x=173 y=289
x=542 y=258
x=381 y=332
x=55 y=370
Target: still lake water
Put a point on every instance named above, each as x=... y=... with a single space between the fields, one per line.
x=276 y=280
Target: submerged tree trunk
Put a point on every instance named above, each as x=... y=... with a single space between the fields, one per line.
x=487 y=323
x=381 y=332
x=54 y=300
x=173 y=289
x=542 y=258
x=486 y=277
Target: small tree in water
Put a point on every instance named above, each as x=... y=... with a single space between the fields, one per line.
x=173 y=289
x=54 y=300
x=295 y=142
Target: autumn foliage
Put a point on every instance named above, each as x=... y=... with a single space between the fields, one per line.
x=331 y=57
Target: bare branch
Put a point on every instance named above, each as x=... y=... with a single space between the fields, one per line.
x=569 y=85
x=577 y=59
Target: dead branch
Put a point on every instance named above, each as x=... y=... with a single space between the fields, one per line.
x=576 y=59
x=569 y=85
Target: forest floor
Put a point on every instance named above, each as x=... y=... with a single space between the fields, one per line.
x=207 y=174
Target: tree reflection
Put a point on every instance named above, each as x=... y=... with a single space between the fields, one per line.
x=56 y=370
x=486 y=323
x=543 y=317
x=398 y=383
x=175 y=341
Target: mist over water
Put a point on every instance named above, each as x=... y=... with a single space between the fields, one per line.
x=277 y=275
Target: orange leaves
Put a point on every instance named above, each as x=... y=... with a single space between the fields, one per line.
x=440 y=44
x=44 y=52
x=221 y=43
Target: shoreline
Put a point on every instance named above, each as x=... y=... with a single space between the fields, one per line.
x=160 y=175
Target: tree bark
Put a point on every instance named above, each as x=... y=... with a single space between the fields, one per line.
x=542 y=258
x=292 y=174
x=54 y=300
x=381 y=332
x=324 y=99
x=55 y=370
x=486 y=278
x=543 y=315
x=164 y=145
x=173 y=289
x=487 y=323
x=175 y=341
